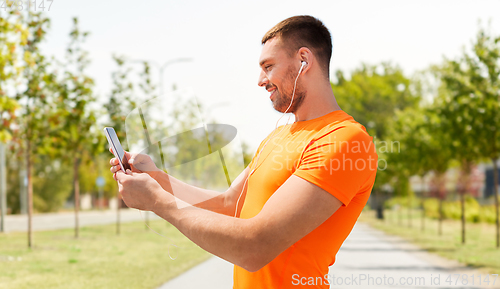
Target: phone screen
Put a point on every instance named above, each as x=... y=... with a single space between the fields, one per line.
x=117 y=148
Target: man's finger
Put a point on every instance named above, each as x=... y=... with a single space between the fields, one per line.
x=120 y=176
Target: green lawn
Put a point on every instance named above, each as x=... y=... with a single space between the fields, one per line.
x=478 y=251
x=138 y=258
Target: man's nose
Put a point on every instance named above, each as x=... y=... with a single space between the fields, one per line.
x=263 y=81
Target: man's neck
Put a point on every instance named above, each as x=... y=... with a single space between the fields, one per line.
x=319 y=101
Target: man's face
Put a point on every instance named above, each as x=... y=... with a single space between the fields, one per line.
x=278 y=74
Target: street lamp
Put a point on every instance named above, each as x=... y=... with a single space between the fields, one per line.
x=165 y=65
x=160 y=83
x=162 y=68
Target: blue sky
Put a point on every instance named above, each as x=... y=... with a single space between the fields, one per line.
x=223 y=39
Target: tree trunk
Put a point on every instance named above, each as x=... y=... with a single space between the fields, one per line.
x=30 y=194
x=441 y=196
x=440 y=222
x=3 y=187
x=379 y=205
x=495 y=192
x=76 y=188
x=118 y=205
x=422 y=198
x=462 y=207
x=400 y=214
x=409 y=210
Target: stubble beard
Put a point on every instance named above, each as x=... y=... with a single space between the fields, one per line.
x=283 y=98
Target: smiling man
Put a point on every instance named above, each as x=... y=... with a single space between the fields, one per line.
x=284 y=218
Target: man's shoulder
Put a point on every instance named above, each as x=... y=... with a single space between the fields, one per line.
x=345 y=130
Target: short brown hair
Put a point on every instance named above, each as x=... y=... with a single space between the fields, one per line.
x=304 y=31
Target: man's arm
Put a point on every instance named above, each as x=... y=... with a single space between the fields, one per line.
x=222 y=203
x=292 y=212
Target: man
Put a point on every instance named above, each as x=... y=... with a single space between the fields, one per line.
x=307 y=183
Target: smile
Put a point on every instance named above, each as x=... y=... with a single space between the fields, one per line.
x=273 y=91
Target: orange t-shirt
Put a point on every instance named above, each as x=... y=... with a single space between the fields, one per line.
x=333 y=152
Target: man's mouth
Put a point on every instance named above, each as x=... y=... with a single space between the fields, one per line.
x=272 y=91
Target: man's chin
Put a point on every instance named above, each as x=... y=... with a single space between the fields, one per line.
x=281 y=108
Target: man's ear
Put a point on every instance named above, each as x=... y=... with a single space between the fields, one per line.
x=305 y=55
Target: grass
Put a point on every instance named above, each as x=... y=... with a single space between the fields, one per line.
x=137 y=258
x=479 y=250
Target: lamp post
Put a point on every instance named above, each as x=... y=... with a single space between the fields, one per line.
x=165 y=65
x=162 y=68
x=160 y=84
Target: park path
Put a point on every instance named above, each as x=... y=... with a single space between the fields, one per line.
x=53 y=221
x=368 y=259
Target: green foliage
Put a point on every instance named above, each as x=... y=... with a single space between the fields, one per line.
x=52 y=184
x=469 y=100
x=91 y=168
x=373 y=96
x=247 y=154
x=431 y=206
x=39 y=98
x=474 y=212
x=402 y=202
x=487 y=214
x=12 y=35
x=194 y=153
x=76 y=133
x=121 y=100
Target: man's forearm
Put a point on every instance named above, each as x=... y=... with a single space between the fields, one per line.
x=194 y=196
x=230 y=238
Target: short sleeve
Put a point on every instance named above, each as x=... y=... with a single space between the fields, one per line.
x=340 y=161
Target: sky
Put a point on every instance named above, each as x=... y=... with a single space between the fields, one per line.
x=222 y=39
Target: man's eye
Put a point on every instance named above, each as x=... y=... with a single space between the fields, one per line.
x=267 y=67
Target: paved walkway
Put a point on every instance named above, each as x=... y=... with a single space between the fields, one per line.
x=52 y=221
x=368 y=259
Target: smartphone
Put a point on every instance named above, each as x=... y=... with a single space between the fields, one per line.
x=117 y=148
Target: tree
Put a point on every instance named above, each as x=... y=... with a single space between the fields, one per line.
x=372 y=96
x=11 y=37
x=471 y=108
x=148 y=89
x=121 y=102
x=409 y=129
x=77 y=133
x=439 y=151
x=38 y=101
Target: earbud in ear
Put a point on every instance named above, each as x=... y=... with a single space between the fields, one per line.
x=302 y=65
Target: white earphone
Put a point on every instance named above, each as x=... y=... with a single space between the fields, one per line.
x=302 y=65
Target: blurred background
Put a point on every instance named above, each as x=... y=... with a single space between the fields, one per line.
x=422 y=76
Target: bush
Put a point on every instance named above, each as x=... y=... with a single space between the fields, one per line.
x=402 y=202
x=487 y=214
x=431 y=206
x=452 y=210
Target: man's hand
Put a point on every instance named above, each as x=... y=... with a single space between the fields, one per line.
x=141 y=191
x=140 y=163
